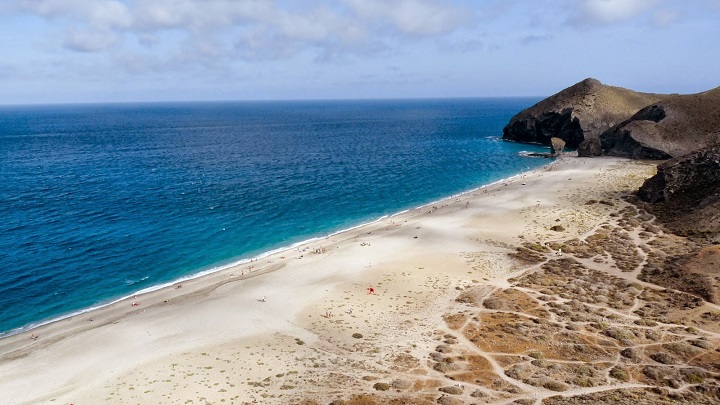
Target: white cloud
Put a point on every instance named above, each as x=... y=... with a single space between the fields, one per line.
x=663 y=18
x=137 y=64
x=311 y=48
x=413 y=17
x=89 y=41
x=610 y=11
x=291 y=26
x=90 y=26
x=199 y=15
x=263 y=44
x=109 y=14
x=319 y=26
x=103 y=14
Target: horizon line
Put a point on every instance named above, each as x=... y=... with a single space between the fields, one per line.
x=279 y=100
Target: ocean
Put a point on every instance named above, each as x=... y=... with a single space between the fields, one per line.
x=98 y=202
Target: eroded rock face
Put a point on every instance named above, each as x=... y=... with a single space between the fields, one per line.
x=541 y=127
x=672 y=127
x=578 y=115
x=685 y=193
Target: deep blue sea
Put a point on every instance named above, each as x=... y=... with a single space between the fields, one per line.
x=100 y=201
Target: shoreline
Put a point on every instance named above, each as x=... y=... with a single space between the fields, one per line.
x=219 y=328
x=242 y=262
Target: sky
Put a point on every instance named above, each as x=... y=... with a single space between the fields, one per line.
x=86 y=51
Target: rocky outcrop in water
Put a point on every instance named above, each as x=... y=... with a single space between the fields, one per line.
x=578 y=115
x=672 y=127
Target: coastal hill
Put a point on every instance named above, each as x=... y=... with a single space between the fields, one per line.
x=672 y=127
x=578 y=114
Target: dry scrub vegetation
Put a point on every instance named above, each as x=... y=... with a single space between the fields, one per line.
x=626 y=314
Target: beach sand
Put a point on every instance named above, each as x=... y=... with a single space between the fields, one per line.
x=303 y=325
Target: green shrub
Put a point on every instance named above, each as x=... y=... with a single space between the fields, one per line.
x=619 y=374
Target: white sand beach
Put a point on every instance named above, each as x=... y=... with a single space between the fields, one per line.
x=318 y=334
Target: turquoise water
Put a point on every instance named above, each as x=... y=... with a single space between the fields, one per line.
x=100 y=201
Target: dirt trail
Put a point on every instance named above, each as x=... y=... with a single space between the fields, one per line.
x=574 y=317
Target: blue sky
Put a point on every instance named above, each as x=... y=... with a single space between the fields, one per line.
x=56 y=51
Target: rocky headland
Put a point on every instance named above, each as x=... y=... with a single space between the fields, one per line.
x=578 y=115
x=598 y=119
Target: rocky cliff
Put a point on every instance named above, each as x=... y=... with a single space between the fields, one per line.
x=685 y=194
x=685 y=197
x=672 y=127
x=578 y=115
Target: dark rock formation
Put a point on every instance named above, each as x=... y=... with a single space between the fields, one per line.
x=577 y=115
x=672 y=127
x=685 y=193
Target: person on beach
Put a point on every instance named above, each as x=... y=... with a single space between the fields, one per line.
x=263 y=299
x=371 y=290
